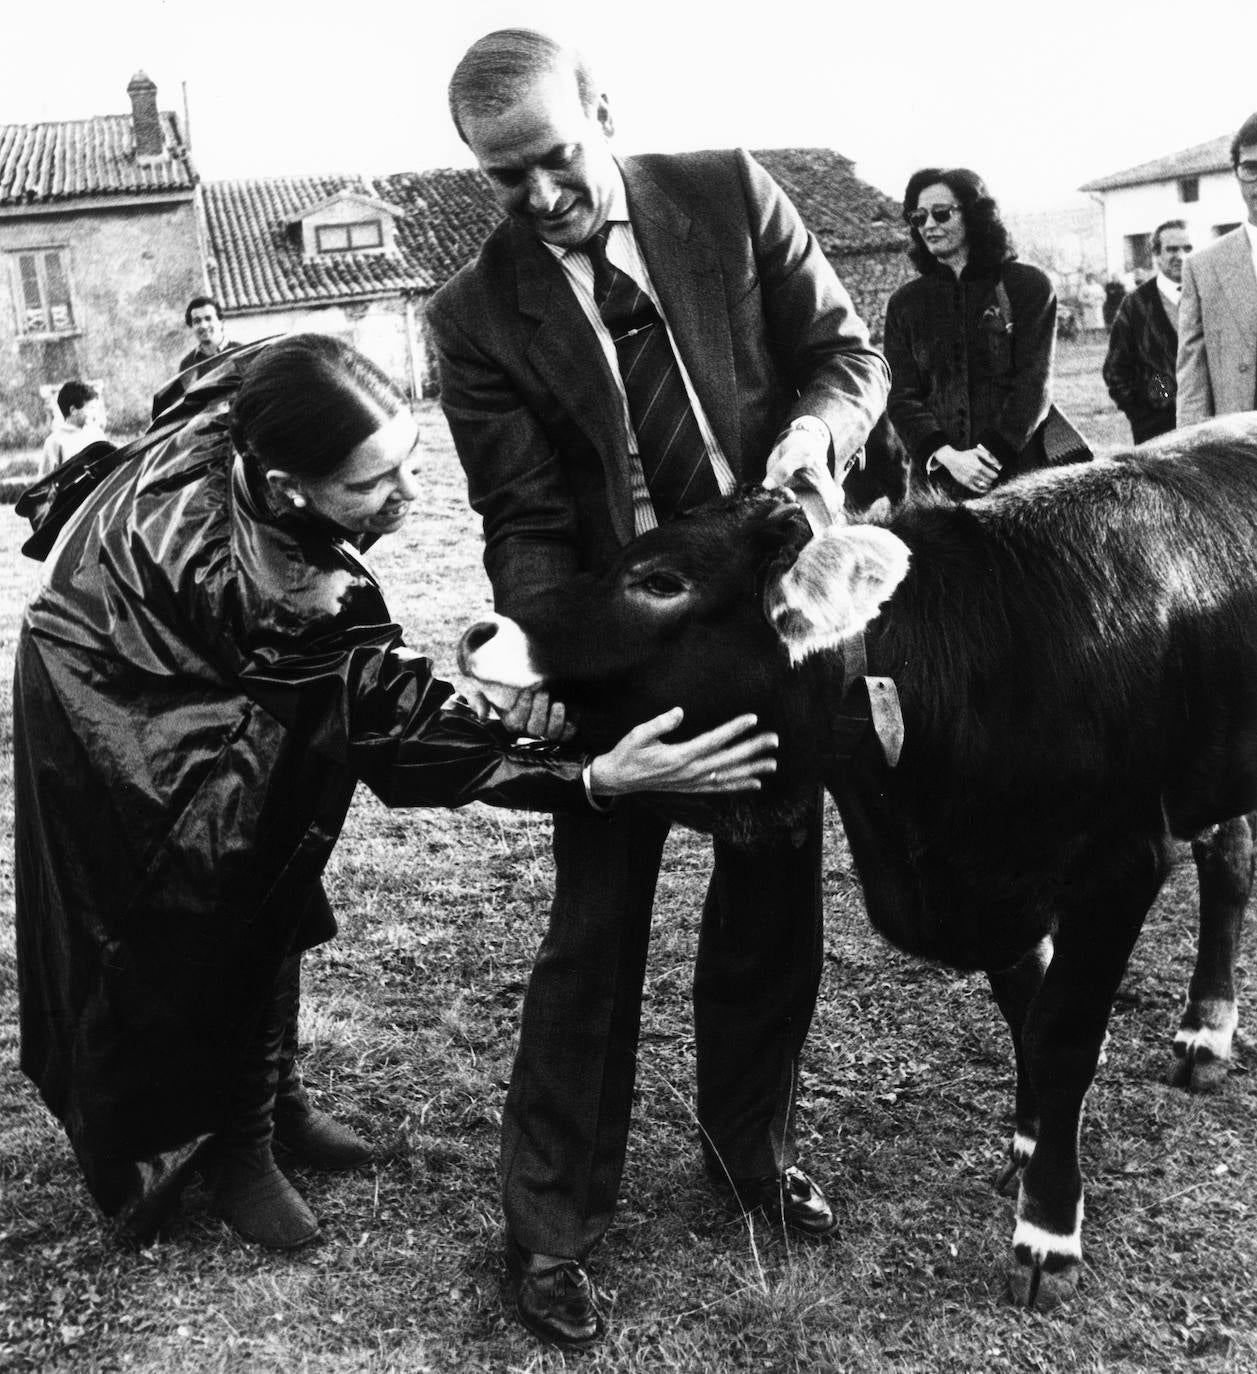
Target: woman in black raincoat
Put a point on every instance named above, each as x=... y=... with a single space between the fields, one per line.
x=204 y=674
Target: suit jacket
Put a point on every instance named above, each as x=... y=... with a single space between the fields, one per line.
x=1217 y=331
x=1139 y=367
x=765 y=329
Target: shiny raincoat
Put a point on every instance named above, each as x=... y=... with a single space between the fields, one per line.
x=199 y=685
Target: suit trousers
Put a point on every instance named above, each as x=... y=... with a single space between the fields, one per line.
x=566 y=1118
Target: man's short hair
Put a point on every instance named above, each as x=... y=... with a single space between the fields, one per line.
x=199 y=302
x=1246 y=138
x=498 y=67
x=1162 y=227
x=73 y=395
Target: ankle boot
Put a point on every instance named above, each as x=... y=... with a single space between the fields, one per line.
x=258 y=1202
x=249 y=1192
x=313 y=1137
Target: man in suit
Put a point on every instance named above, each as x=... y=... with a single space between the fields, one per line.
x=1217 y=319
x=1143 y=342
x=769 y=377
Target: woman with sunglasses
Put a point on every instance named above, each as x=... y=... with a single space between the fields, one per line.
x=205 y=672
x=970 y=341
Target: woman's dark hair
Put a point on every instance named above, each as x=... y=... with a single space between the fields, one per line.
x=306 y=402
x=988 y=241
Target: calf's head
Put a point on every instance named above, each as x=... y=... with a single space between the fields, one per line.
x=714 y=612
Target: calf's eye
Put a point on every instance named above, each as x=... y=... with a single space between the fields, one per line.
x=662 y=584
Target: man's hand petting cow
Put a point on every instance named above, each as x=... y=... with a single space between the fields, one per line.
x=1075 y=661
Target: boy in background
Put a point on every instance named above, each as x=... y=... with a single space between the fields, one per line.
x=82 y=422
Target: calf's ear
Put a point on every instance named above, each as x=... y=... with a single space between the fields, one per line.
x=835 y=587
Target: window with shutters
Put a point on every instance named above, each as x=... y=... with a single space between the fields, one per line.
x=41 y=290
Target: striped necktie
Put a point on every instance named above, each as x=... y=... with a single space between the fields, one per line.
x=669 y=443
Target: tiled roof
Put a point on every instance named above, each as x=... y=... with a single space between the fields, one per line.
x=846 y=214
x=68 y=159
x=449 y=212
x=259 y=259
x=1214 y=156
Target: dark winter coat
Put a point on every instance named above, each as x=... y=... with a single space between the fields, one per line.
x=199 y=686
x=961 y=373
x=1139 y=366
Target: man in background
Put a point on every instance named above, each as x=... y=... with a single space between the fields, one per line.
x=695 y=272
x=204 y=317
x=1143 y=343
x=1217 y=318
x=82 y=422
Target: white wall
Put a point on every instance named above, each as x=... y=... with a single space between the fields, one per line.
x=376 y=328
x=1139 y=209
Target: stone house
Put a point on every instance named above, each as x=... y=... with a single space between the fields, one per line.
x=106 y=231
x=100 y=248
x=1196 y=184
x=359 y=256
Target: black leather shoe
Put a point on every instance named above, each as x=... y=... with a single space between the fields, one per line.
x=557 y=1302
x=790 y=1198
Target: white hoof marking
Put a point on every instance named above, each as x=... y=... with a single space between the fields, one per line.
x=1215 y=1036
x=1044 y=1244
x=1022 y=1147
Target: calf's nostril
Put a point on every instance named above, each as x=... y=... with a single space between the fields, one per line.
x=479 y=635
x=474 y=637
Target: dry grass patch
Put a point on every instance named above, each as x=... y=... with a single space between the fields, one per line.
x=409 y=1021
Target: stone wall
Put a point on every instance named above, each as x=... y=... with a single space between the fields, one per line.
x=131 y=273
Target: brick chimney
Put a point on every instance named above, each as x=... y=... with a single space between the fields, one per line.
x=144 y=118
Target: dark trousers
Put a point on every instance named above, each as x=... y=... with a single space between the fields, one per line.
x=566 y=1119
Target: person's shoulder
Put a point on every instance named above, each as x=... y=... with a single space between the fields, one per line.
x=494 y=257
x=1132 y=303
x=701 y=174
x=917 y=288
x=1220 y=248
x=1026 y=275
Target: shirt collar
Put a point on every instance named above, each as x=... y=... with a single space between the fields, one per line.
x=1171 y=290
x=1251 y=230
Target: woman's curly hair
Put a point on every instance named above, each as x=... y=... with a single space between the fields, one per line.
x=988 y=242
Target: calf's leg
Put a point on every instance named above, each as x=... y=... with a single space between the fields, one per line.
x=1014 y=989
x=1062 y=1039
x=1224 y=863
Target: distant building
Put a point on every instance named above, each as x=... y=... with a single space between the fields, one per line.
x=1067 y=243
x=859 y=227
x=359 y=256
x=99 y=252
x=1196 y=185
x=346 y=255
x=106 y=231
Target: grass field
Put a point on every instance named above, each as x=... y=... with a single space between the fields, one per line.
x=408 y=1024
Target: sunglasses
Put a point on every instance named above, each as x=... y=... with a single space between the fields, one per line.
x=940 y=214
x=1246 y=170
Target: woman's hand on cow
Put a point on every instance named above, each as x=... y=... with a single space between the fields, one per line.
x=523 y=711
x=726 y=759
x=974 y=468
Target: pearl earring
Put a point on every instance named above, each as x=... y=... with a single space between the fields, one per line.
x=298 y=500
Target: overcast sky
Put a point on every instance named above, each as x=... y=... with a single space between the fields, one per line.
x=1037 y=98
